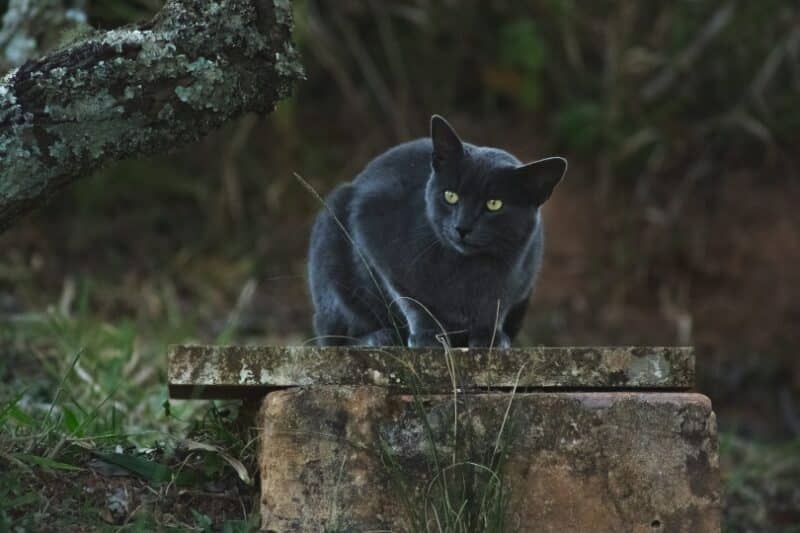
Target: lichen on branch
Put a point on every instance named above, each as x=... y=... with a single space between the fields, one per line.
x=139 y=90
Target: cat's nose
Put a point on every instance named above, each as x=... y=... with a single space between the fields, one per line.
x=462 y=231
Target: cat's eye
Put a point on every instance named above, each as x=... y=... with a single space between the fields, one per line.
x=494 y=205
x=450 y=197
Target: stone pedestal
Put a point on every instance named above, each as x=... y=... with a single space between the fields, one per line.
x=574 y=461
x=531 y=440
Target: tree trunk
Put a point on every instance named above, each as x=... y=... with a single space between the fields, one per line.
x=139 y=90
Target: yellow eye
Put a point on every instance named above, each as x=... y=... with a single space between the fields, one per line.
x=450 y=197
x=494 y=205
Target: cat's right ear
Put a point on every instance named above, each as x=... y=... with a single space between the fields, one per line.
x=447 y=147
x=538 y=179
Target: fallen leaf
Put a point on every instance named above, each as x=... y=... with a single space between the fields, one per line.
x=238 y=466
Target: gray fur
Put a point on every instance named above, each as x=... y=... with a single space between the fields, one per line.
x=407 y=274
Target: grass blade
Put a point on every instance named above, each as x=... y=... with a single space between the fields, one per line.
x=46 y=462
x=149 y=470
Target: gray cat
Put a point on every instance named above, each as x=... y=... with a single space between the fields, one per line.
x=436 y=240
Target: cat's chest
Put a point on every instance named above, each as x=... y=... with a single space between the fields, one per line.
x=461 y=287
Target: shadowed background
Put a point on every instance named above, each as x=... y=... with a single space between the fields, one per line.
x=677 y=222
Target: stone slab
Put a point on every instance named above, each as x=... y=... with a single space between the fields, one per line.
x=242 y=371
x=571 y=461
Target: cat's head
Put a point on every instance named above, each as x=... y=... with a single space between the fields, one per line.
x=483 y=201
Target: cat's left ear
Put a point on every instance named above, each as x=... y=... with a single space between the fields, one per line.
x=539 y=178
x=447 y=146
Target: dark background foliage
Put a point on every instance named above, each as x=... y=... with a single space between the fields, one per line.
x=677 y=223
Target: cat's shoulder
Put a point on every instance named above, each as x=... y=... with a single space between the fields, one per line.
x=338 y=201
x=410 y=157
x=416 y=149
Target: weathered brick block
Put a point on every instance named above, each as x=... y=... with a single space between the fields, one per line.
x=575 y=461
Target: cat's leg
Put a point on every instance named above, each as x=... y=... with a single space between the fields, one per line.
x=491 y=332
x=421 y=329
x=331 y=329
x=426 y=338
x=383 y=337
x=347 y=305
x=347 y=323
x=424 y=330
x=502 y=335
x=348 y=314
x=489 y=338
x=334 y=332
x=513 y=322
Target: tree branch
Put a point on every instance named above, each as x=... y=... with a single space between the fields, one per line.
x=139 y=90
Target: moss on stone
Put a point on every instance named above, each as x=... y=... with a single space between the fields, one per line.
x=216 y=369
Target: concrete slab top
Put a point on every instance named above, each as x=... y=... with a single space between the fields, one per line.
x=197 y=371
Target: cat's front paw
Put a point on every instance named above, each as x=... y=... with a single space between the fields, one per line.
x=425 y=339
x=486 y=339
x=382 y=337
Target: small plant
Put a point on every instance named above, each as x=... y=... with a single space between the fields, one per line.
x=465 y=490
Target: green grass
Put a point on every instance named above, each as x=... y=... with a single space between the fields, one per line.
x=89 y=439
x=761 y=482
x=465 y=490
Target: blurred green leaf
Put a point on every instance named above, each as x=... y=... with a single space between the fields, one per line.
x=70 y=420
x=522 y=46
x=202 y=521
x=21 y=416
x=580 y=125
x=149 y=470
x=46 y=462
x=530 y=93
x=21 y=501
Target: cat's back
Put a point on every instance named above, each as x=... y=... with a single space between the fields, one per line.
x=405 y=166
x=395 y=175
